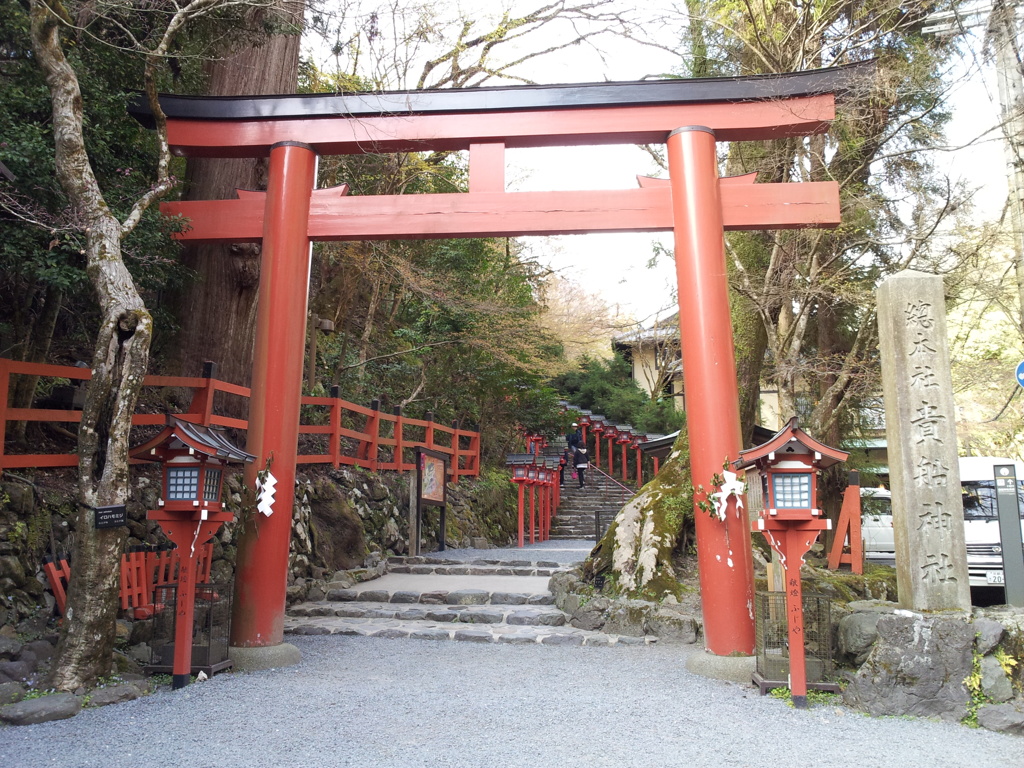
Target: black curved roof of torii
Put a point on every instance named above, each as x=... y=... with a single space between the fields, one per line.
x=509 y=98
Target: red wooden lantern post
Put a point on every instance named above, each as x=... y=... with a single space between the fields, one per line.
x=596 y=428
x=553 y=463
x=517 y=462
x=556 y=486
x=584 y=421
x=639 y=459
x=544 y=476
x=787 y=467
x=624 y=440
x=190 y=511
x=532 y=478
x=549 y=499
x=549 y=507
x=542 y=499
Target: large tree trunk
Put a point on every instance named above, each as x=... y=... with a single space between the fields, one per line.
x=119 y=364
x=217 y=313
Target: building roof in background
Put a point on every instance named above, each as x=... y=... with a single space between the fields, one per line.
x=660 y=330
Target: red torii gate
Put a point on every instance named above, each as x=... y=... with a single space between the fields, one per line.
x=688 y=115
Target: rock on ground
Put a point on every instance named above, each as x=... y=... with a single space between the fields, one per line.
x=58 y=706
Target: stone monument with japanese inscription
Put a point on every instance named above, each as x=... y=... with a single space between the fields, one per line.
x=920 y=422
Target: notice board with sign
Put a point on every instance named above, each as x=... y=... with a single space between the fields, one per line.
x=115 y=516
x=431 y=491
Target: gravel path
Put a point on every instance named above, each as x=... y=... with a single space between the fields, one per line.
x=372 y=703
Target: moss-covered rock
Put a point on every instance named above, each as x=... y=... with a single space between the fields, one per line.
x=635 y=556
x=335 y=528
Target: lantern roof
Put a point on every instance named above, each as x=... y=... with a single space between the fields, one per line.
x=659 y=446
x=179 y=434
x=791 y=440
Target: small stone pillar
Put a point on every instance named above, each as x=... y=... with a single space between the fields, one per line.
x=928 y=518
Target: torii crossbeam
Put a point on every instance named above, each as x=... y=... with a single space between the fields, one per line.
x=686 y=115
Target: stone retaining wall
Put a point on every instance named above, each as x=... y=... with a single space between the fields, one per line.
x=949 y=665
x=344 y=521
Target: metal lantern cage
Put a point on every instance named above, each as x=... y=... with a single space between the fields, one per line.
x=211 y=629
x=771 y=642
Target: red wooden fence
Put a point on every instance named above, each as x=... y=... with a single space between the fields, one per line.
x=354 y=435
x=142 y=571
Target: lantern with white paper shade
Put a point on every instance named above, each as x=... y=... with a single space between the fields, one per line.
x=786 y=468
x=194 y=459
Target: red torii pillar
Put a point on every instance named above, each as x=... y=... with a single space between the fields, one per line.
x=712 y=397
x=262 y=565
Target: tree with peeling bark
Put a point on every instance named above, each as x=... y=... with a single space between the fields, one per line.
x=150 y=31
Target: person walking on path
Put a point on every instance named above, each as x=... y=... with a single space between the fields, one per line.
x=580 y=460
x=574 y=438
x=566 y=459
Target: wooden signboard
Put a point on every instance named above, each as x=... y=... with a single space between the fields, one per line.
x=431 y=491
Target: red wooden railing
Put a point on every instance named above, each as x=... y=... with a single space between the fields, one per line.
x=142 y=571
x=355 y=435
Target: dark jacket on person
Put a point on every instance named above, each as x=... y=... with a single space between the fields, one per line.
x=580 y=457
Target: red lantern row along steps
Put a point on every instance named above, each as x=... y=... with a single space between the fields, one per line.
x=541 y=475
x=625 y=436
x=142 y=571
x=357 y=435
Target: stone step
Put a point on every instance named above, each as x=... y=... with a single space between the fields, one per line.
x=461 y=569
x=478 y=633
x=367 y=594
x=513 y=614
x=485 y=607
x=430 y=560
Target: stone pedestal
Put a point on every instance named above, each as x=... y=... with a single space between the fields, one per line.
x=928 y=520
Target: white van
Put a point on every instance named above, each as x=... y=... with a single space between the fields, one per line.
x=981 y=520
x=981 y=517
x=876 y=526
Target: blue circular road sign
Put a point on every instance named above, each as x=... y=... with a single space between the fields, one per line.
x=1020 y=373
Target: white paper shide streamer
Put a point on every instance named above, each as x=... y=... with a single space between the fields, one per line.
x=266 y=484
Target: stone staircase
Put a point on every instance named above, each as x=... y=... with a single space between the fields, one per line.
x=579 y=506
x=427 y=598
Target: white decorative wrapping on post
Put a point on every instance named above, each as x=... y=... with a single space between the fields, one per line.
x=265 y=491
